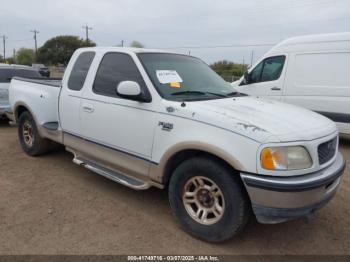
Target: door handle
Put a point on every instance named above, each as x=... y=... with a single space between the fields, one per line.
x=88 y=108
x=276 y=88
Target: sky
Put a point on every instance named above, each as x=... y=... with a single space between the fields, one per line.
x=210 y=29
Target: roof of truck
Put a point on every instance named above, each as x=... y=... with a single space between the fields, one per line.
x=308 y=42
x=126 y=49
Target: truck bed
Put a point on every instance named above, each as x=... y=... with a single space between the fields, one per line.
x=38 y=95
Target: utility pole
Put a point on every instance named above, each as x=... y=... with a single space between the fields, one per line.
x=122 y=44
x=87 y=28
x=252 y=58
x=14 y=56
x=35 y=32
x=4 y=37
x=243 y=65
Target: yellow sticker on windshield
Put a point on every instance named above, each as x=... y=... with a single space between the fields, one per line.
x=175 y=84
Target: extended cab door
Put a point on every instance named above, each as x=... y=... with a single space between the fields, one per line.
x=72 y=86
x=119 y=130
x=266 y=79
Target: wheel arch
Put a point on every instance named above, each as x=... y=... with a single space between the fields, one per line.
x=20 y=108
x=179 y=153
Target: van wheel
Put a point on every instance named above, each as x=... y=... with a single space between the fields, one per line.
x=32 y=143
x=208 y=200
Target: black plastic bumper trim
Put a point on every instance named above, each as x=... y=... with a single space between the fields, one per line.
x=294 y=187
x=282 y=213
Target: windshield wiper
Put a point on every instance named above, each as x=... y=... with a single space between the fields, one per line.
x=196 y=93
x=235 y=94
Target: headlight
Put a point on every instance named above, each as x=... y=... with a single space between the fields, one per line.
x=285 y=158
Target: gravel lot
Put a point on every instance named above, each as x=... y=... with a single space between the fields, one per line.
x=49 y=205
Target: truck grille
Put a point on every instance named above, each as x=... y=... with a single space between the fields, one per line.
x=327 y=150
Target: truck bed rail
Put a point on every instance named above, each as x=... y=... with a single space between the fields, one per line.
x=55 y=82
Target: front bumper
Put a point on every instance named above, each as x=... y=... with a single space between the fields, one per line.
x=279 y=199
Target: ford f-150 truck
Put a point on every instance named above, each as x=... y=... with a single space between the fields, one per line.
x=152 y=118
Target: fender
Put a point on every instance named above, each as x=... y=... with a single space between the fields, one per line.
x=157 y=172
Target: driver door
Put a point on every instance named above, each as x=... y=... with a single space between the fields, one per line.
x=266 y=79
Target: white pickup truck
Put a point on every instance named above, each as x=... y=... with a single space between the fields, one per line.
x=151 y=118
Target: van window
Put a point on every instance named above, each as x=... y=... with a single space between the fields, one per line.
x=272 y=69
x=80 y=71
x=115 y=68
x=5 y=75
x=322 y=70
x=269 y=69
x=256 y=73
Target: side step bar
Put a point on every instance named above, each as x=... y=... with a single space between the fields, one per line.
x=112 y=175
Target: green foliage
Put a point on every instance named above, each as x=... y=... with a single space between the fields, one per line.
x=25 y=56
x=136 y=44
x=58 y=50
x=229 y=70
x=10 y=60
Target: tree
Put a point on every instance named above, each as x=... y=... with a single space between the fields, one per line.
x=1 y=60
x=10 y=60
x=228 y=70
x=58 y=50
x=136 y=44
x=25 y=56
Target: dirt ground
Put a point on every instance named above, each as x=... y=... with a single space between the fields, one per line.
x=49 y=205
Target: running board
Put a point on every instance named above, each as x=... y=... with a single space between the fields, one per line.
x=112 y=175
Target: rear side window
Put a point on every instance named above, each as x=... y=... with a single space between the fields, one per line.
x=115 y=68
x=26 y=73
x=5 y=75
x=80 y=70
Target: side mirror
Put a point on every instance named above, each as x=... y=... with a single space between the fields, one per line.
x=132 y=91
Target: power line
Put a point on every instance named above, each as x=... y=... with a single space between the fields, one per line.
x=35 y=32
x=87 y=28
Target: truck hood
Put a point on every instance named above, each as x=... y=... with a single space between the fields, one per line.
x=261 y=119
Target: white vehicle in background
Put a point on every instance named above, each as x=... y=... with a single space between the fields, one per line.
x=153 y=118
x=309 y=71
x=7 y=72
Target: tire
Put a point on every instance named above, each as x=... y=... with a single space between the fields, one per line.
x=31 y=141
x=231 y=197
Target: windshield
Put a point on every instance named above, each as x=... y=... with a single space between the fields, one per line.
x=180 y=77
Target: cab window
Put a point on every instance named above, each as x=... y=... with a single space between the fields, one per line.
x=272 y=68
x=256 y=73
x=269 y=69
x=80 y=70
x=114 y=69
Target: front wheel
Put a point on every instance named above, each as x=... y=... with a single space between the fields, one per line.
x=31 y=141
x=208 y=199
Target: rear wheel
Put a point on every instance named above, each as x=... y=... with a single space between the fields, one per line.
x=31 y=141
x=208 y=199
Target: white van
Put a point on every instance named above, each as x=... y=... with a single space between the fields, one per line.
x=310 y=71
